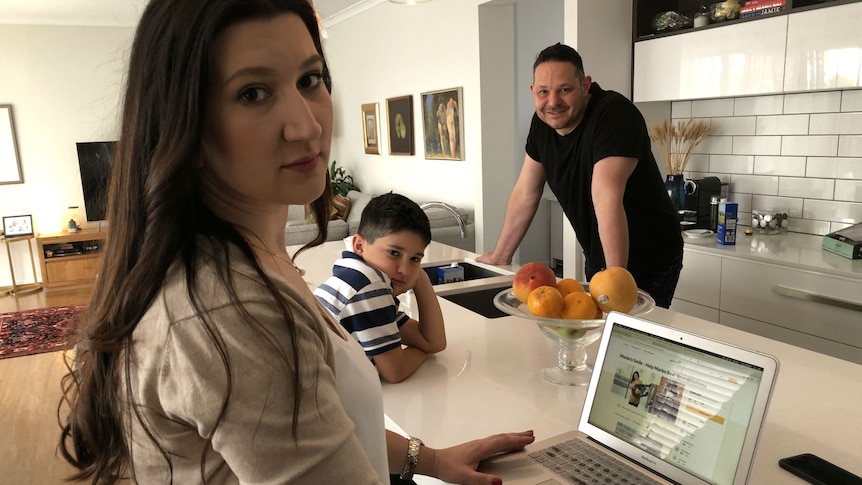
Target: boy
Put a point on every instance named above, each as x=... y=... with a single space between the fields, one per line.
x=365 y=283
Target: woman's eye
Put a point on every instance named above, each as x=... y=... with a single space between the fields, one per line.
x=310 y=81
x=253 y=95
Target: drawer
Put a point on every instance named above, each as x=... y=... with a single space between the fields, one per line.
x=700 y=279
x=824 y=306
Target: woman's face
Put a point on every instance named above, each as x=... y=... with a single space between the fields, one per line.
x=268 y=121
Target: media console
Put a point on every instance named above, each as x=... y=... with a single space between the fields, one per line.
x=70 y=260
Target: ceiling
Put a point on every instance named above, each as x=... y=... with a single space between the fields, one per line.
x=121 y=13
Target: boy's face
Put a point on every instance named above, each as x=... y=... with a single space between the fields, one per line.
x=398 y=254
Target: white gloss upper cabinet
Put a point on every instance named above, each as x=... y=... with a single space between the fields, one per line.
x=734 y=60
x=824 y=49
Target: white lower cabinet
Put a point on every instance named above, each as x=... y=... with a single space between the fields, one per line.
x=699 y=288
x=813 y=310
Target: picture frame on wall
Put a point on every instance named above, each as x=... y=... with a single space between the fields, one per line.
x=400 y=117
x=443 y=124
x=370 y=131
x=17 y=226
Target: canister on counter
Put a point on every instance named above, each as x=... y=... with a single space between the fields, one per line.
x=713 y=213
x=727 y=217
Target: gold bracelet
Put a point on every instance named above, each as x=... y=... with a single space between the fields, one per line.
x=413 y=445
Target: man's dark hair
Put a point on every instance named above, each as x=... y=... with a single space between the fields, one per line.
x=389 y=213
x=561 y=53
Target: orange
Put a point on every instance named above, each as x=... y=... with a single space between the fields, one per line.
x=545 y=301
x=578 y=306
x=569 y=285
x=614 y=289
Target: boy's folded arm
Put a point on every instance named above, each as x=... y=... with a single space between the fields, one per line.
x=430 y=322
x=397 y=364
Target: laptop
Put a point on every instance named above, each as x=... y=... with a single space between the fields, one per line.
x=667 y=405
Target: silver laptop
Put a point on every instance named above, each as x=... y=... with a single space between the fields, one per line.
x=664 y=405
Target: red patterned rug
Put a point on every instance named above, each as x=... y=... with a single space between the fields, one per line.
x=36 y=331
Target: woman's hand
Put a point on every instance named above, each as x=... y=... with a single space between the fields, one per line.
x=458 y=463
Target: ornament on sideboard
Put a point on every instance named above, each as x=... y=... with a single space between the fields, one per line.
x=72 y=219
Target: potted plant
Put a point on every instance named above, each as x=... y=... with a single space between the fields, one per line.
x=341 y=182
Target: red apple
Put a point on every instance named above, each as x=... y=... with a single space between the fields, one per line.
x=531 y=276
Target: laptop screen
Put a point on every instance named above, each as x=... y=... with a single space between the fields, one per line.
x=688 y=407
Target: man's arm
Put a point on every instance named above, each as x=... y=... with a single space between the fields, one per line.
x=428 y=334
x=609 y=184
x=520 y=210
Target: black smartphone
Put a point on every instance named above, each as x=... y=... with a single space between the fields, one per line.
x=818 y=471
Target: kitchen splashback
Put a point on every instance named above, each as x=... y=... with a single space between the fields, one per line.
x=801 y=152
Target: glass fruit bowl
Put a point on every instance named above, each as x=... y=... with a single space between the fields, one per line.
x=571 y=335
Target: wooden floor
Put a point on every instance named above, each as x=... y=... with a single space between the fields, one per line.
x=29 y=395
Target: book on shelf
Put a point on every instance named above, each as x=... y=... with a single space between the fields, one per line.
x=754 y=8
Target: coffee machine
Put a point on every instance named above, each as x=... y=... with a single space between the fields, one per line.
x=698 y=194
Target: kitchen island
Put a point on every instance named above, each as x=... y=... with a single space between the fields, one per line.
x=487 y=381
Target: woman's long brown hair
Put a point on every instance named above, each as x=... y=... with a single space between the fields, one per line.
x=157 y=217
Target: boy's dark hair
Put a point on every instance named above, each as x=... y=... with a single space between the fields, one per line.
x=561 y=53
x=390 y=213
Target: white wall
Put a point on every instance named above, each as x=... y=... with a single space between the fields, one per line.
x=63 y=84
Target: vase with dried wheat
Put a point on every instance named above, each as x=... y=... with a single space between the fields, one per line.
x=676 y=142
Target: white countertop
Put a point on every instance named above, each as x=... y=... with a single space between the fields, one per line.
x=802 y=251
x=487 y=381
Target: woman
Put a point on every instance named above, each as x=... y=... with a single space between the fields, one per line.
x=205 y=357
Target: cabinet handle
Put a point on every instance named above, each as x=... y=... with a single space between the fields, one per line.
x=817 y=298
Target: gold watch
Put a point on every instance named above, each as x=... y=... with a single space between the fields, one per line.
x=413 y=445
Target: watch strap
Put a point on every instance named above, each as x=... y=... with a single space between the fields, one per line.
x=413 y=445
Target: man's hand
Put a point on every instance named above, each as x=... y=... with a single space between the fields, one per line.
x=490 y=258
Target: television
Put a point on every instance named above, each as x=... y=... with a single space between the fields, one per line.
x=94 y=162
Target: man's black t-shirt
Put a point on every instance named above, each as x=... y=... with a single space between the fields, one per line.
x=612 y=126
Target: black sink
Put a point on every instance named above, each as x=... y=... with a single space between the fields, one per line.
x=479 y=301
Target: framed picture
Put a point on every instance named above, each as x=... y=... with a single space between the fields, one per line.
x=443 y=123
x=370 y=133
x=10 y=164
x=14 y=226
x=400 y=116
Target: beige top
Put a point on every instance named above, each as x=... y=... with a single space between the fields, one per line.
x=180 y=381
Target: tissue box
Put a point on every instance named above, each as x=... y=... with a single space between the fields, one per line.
x=726 y=232
x=450 y=274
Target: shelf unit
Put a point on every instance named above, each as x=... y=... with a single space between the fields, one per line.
x=646 y=10
x=75 y=266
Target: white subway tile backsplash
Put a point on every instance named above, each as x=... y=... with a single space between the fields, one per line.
x=836 y=124
x=759 y=105
x=822 y=102
x=710 y=108
x=851 y=100
x=740 y=125
x=837 y=226
x=819 y=228
x=768 y=165
x=719 y=145
x=782 y=125
x=850 y=146
x=819 y=145
x=732 y=163
x=800 y=151
x=806 y=188
x=756 y=145
x=833 y=167
x=754 y=184
x=850 y=190
x=766 y=202
x=827 y=210
x=680 y=109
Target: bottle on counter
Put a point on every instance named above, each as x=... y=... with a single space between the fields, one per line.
x=713 y=213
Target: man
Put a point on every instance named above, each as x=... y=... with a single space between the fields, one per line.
x=592 y=148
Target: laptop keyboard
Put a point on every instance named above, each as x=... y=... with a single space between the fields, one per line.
x=581 y=463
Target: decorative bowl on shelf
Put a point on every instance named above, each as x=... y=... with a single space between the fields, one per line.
x=571 y=335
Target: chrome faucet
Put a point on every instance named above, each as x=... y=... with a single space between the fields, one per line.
x=442 y=205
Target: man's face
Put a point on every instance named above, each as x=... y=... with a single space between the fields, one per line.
x=560 y=95
x=398 y=254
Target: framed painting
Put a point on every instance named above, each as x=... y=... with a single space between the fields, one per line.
x=400 y=116
x=443 y=123
x=10 y=164
x=370 y=132
x=14 y=226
